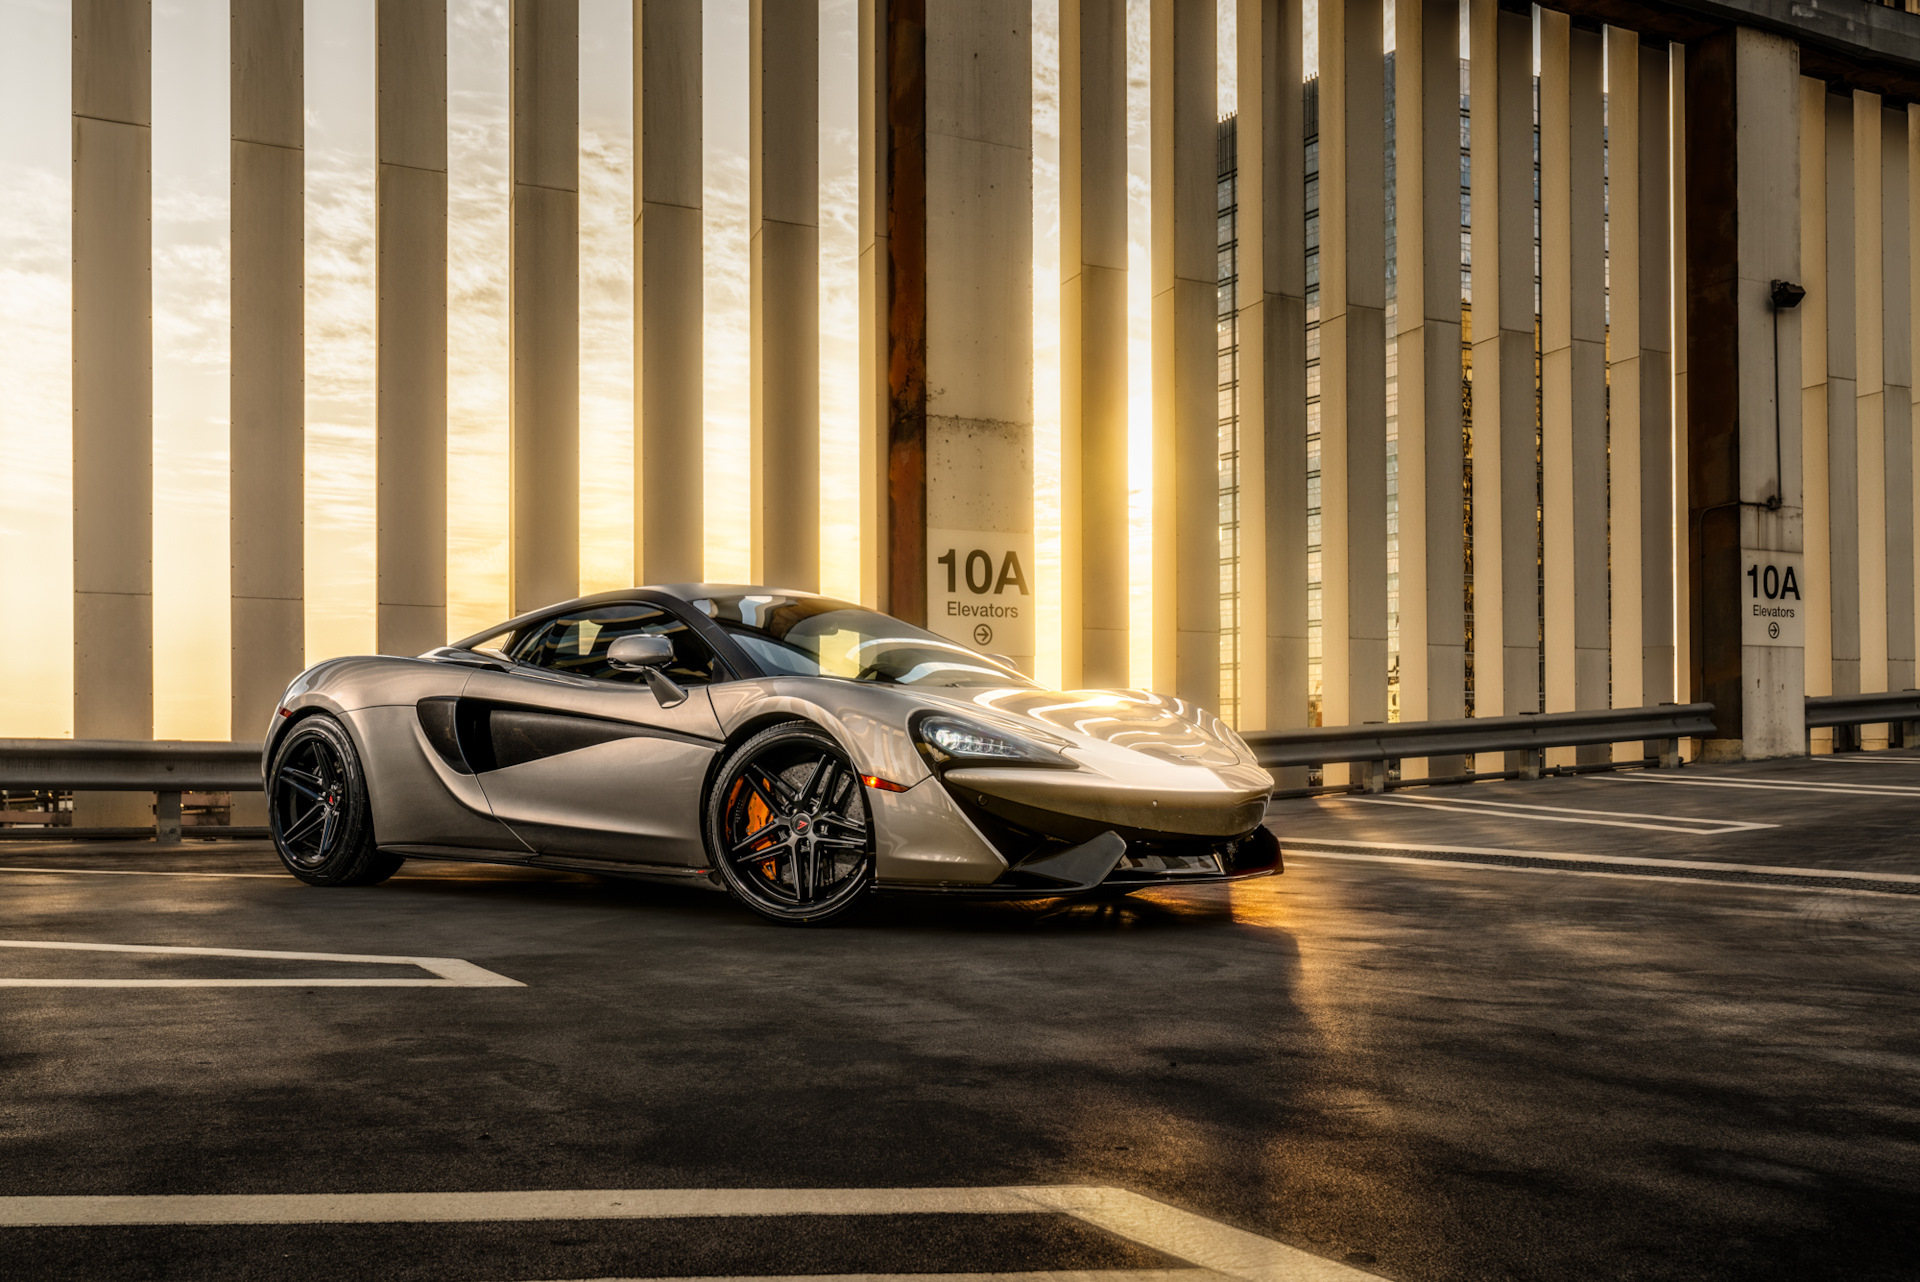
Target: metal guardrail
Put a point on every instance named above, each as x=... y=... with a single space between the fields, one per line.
x=1374 y=746
x=1824 y=710
x=169 y=768
x=165 y=768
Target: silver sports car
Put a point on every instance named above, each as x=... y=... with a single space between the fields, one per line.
x=794 y=750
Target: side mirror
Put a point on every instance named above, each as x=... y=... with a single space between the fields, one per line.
x=638 y=654
x=647 y=655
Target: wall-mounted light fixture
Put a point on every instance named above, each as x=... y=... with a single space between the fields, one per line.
x=1785 y=296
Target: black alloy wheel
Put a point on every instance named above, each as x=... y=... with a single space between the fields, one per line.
x=788 y=828
x=318 y=812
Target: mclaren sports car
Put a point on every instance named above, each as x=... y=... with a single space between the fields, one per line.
x=793 y=750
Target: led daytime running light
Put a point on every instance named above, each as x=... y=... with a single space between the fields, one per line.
x=967 y=741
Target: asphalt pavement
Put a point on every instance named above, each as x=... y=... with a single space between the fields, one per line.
x=1527 y=1030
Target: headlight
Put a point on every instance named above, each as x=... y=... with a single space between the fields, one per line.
x=953 y=739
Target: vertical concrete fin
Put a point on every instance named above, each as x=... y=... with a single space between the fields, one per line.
x=784 y=223
x=1186 y=526
x=1093 y=343
x=1270 y=140
x=544 y=305
x=1353 y=493
x=267 y=439
x=410 y=100
x=1431 y=465
x=112 y=388
x=669 y=293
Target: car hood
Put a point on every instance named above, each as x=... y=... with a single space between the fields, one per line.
x=1167 y=729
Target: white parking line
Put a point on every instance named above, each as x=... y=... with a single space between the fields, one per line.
x=1570 y=815
x=1382 y=852
x=1638 y=861
x=1723 y=781
x=1059 y=1275
x=448 y=972
x=1213 y=1246
x=1201 y=1241
x=1851 y=759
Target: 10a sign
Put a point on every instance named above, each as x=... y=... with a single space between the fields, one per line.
x=1773 y=609
x=980 y=591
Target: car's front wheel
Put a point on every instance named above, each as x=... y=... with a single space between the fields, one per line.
x=788 y=828
x=318 y=810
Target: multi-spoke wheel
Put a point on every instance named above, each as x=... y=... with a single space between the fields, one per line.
x=318 y=812
x=788 y=827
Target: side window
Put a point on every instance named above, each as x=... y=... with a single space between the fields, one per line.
x=577 y=644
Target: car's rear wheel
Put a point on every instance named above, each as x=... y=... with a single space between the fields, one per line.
x=318 y=809
x=788 y=828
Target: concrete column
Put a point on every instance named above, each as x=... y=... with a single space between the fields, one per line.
x=901 y=308
x=958 y=93
x=267 y=440
x=1573 y=391
x=411 y=269
x=1655 y=228
x=784 y=215
x=544 y=538
x=669 y=298
x=1353 y=411
x=1433 y=656
x=1869 y=309
x=1813 y=394
x=1627 y=562
x=1556 y=363
x=1911 y=135
x=1682 y=580
x=1506 y=610
x=1897 y=399
x=1640 y=377
x=1743 y=114
x=1186 y=413
x=1843 y=445
x=1273 y=361
x=1093 y=343
x=875 y=274
x=112 y=389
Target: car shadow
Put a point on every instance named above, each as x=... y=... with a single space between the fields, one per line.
x=1183 y=909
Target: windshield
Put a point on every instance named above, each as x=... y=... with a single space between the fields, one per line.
x=820 y=637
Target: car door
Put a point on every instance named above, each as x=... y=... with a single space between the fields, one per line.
x=589 y=762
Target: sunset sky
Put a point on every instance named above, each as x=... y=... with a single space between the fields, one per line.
x=190 y=185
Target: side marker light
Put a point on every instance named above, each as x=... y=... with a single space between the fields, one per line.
x=884 y=785
x=286 y=712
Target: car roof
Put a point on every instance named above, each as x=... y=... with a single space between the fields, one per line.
x=687 y=592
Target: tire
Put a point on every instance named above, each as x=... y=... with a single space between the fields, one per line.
x=788 y=829
x=318 y=809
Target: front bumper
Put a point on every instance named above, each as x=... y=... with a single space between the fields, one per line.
x=1058 y=871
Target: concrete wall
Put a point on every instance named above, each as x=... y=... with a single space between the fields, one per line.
x=112 y=389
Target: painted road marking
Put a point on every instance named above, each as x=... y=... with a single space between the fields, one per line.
x=1860 y=759
x=448 y=972
x=1061 y=1275
x=1722 y=781
x=1213 y=1246
x=1570 y=815
x=1745 y=876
